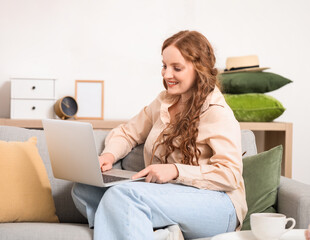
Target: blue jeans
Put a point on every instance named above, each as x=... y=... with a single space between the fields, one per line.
x=132 y=210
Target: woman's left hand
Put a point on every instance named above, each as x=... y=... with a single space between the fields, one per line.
x=158 y=173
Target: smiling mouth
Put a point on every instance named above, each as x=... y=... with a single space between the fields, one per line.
x=171 y=83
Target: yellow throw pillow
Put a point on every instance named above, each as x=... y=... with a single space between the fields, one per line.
x=25 y=189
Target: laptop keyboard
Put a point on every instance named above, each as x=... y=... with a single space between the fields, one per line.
x=110 y=178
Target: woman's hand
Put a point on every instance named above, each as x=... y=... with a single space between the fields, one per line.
x=106 y=161
x=307 y=233
x=158 y=173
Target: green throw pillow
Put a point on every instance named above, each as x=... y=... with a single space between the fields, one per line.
x=251 y=82
x=261 y=174
x=254 y=107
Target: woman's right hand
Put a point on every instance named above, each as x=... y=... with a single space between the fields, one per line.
x=307 y=233
x=106 y=161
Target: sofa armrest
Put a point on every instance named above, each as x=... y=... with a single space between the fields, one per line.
x=294 y=201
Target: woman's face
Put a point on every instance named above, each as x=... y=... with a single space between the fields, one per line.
x=178 y=73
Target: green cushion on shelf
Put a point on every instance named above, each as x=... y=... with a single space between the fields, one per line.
x=254 y=107
x=251 y=82
x=261 y=174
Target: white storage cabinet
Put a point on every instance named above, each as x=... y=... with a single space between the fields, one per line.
x=32 y=98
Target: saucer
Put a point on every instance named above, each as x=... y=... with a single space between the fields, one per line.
x=295 y=234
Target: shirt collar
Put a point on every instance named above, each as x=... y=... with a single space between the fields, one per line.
x=214 y=98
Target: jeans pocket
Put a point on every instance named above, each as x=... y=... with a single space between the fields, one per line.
x=232 y=222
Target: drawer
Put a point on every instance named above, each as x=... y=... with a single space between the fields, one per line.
x=32 y=109
x=32 y=89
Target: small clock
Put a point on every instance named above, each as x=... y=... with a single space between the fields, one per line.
x=66 y=107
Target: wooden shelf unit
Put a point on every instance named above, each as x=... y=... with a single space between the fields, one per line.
x=271 y=134
x=267 y=134
x=37 y=123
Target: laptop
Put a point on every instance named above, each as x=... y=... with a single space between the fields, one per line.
x=73 y=155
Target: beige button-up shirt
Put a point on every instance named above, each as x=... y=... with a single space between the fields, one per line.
x=219 y=140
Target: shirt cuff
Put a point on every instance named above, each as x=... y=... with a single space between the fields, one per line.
x=182 y=178
x=114 y=152
x=103 y=152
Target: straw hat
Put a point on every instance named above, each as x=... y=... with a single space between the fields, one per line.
x=243 y=64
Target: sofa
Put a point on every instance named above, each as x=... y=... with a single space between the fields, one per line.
x=293 y=198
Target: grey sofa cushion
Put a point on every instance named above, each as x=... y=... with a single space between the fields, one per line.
x=248 y=143
x=294 y=201
x=45 y=231
x=134 y=161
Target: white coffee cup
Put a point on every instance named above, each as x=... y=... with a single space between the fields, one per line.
x=270 y=226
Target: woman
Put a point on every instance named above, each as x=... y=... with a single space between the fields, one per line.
x=192 y=144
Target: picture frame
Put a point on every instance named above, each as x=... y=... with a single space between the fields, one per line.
x=89 y=95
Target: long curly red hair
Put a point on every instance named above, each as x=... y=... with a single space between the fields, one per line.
x=182 y=133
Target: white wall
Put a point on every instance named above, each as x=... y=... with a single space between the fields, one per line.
x=119 y=42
